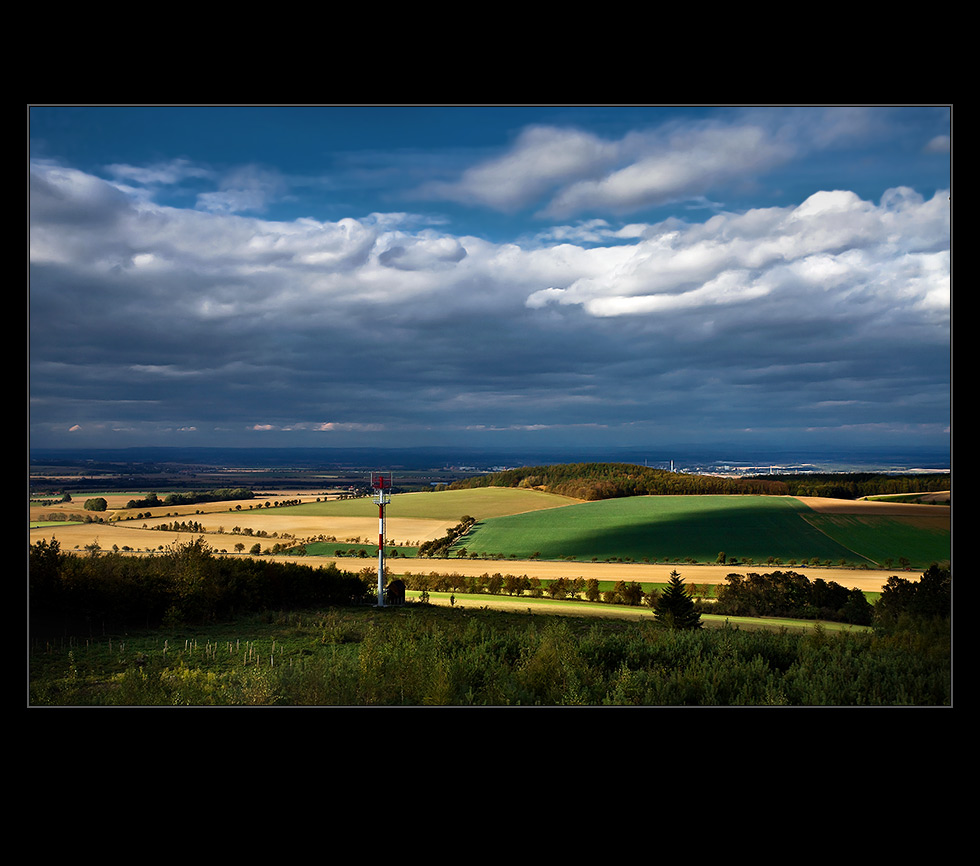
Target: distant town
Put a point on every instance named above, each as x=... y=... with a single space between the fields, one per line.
x=735 y=469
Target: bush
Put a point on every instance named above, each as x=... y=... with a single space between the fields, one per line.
x=931 y=597
x=430 y=655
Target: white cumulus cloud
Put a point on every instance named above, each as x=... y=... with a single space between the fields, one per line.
x=832 y=250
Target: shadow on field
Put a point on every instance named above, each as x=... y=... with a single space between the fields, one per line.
x=751 y=531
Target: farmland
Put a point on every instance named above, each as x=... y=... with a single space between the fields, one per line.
x=733 y=529
x=857 y=543
x=234 y=613
x=446 y=505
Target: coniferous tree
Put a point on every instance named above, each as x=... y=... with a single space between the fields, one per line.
x=675 y=608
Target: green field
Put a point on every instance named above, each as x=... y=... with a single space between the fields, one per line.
x=482 y=504
x=748 y=529
x=670 y=528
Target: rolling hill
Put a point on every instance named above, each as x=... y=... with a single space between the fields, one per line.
x=699 y=528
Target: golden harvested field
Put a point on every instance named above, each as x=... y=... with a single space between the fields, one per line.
x=398 y=530
x=131 y=534
x=78 y=536
x=116 y=504
x=872 y=507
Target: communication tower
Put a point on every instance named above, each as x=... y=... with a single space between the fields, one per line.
x=382 y=496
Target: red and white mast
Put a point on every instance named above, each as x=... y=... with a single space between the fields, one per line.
x=382 y=496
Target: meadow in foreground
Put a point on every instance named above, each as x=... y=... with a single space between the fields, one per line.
x=422 y=655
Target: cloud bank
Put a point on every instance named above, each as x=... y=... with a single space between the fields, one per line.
x=827 y=315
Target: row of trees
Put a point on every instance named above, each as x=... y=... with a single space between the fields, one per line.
x=786 y=593
x=181 y=526
x=674 y=607
x=903 y=603
x=44 y=503
x=186 y=582
x=775 y=594
x=439 y=547
x=854 y=485
x=220 y=495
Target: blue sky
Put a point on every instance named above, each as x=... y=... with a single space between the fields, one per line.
x=495 y=277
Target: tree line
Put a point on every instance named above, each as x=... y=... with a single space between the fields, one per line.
x=786 y=593
x=189 y=583
x=593 y=481
x=439 y=547
x=854 y=485
x=674 y=607
x=775 y=594
x=44 y=503
x=219 y=495
x=184 y=583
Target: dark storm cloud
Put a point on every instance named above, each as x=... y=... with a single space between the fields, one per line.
x=829 y=313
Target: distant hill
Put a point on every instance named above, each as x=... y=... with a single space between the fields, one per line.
x=594 y=481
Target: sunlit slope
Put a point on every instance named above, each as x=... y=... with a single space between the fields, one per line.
x=483 y=503
x=665 y=527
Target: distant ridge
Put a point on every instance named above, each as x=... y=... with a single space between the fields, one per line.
x=698 y=459
x=594 y=481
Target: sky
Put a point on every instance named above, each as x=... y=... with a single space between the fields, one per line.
x=490 y=277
